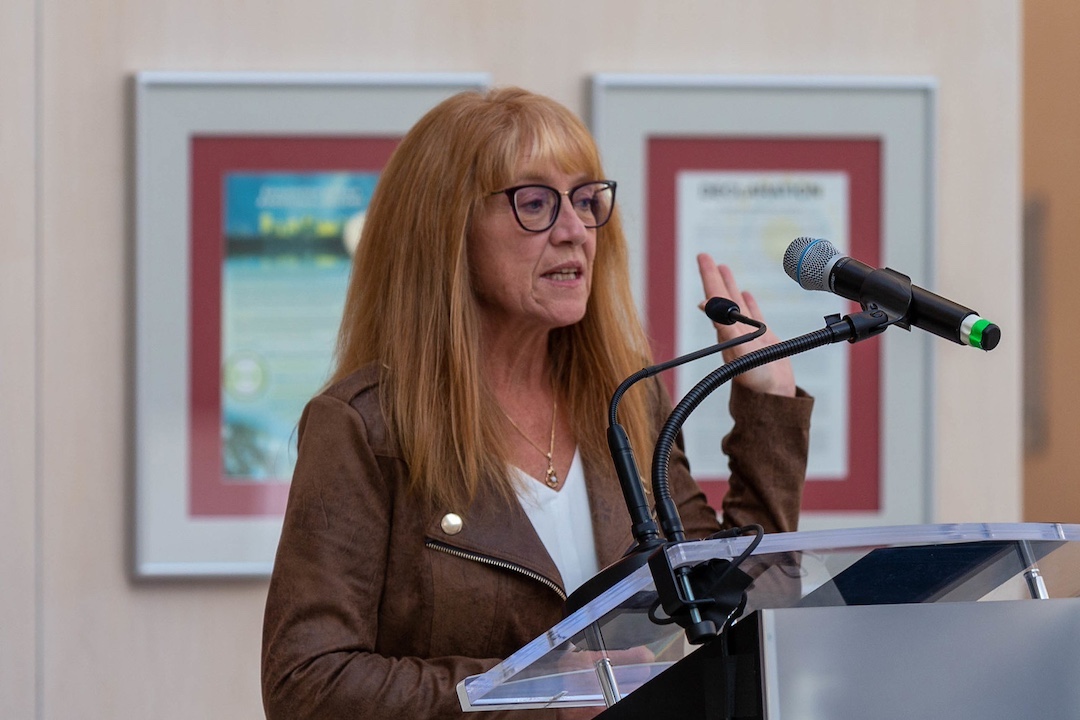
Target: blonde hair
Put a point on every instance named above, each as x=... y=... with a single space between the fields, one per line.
x=410 y=305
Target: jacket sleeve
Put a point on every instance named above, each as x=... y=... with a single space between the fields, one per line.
x=321 y=620
x=767 y=450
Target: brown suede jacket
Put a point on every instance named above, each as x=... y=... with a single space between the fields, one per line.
x=375 y=611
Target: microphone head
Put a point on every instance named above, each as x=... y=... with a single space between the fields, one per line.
x=808 y=261
x=721 y=310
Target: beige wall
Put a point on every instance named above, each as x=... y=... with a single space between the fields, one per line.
x=19 y=282
x=79 y=640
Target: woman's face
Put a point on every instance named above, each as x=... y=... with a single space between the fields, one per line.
x=531 y=280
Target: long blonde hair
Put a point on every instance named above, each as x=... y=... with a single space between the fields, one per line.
x=410 y=305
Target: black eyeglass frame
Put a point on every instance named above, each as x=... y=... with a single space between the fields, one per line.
x=510 y=192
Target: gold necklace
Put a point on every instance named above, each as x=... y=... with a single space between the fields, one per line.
x=550 y=478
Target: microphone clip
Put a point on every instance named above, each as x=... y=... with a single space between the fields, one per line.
x=891 y=293
x=702 y=598
x=861 y=325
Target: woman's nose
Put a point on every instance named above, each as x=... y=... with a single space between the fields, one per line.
x=568 y=227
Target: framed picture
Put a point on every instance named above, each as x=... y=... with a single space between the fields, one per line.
x=251 y=190
x=739 y=167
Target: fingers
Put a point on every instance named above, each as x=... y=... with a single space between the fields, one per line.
x=750 y=306
x=712 y=280
x=718 y=280
x=731 y=285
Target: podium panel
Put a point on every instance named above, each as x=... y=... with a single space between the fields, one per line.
x=1013 y=659
x=898 y=604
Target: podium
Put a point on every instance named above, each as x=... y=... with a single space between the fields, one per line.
x=957 y=621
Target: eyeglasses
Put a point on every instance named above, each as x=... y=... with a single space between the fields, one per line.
x=536 y=207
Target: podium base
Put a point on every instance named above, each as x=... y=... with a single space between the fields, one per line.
x=718 y=681
x=1003 y=659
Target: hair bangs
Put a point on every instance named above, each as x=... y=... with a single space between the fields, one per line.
x=532 y=132
x=566 y=147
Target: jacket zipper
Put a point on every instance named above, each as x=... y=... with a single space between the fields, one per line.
x=476 y=557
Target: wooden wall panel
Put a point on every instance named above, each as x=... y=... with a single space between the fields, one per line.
x=1051 y=176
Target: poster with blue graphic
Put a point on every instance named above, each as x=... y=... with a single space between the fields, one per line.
x=289 y=240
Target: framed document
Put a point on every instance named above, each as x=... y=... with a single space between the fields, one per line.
x=739 y=167
x=251 y=190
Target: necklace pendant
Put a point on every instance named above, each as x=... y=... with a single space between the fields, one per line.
x=552 y=480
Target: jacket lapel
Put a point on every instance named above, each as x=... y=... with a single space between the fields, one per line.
x=502 y=531
x=499 y=531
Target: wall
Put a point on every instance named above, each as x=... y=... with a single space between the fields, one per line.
x=1051 y=176
x=79 y=640
x=19 y=324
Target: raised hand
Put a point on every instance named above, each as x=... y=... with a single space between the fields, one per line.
x=777 y=377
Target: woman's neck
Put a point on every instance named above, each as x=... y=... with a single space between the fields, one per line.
x=517 y=363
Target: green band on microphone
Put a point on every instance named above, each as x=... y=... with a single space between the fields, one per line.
x=975 y=338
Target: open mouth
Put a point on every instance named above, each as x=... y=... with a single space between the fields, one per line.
x=564 y=274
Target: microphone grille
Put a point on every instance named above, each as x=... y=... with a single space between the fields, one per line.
x=807 y=260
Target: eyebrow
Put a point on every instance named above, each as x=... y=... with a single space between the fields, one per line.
x=536 y=179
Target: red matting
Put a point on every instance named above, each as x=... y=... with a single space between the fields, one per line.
x=210 y=492
x=860 y=158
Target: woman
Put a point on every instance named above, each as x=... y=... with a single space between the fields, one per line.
x=453 y=483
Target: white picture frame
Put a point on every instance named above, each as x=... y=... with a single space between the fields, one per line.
x=172 y=110
x=631 y=111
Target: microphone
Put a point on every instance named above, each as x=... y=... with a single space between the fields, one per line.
x=817 y=265
x=724 y=311
x=681 y=597
x=643 y=528
x=720 y=310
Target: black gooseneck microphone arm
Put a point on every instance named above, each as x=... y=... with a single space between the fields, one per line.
x=646 y=535
x=850 y=328
x=643 y=527
x=676 y=586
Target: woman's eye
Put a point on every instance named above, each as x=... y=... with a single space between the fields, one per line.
x=533 y=201
x=585 y=202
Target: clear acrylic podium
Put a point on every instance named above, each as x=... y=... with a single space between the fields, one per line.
x=971 y=620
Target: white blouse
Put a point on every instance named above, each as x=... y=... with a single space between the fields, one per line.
x=563 y=522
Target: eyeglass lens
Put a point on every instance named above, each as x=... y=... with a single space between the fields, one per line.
x=538 y=205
